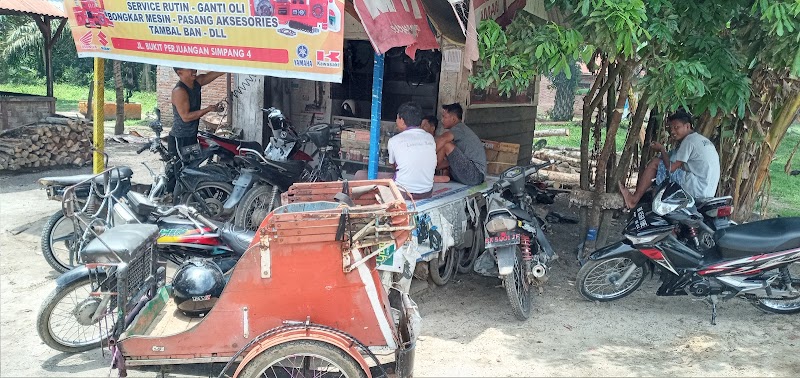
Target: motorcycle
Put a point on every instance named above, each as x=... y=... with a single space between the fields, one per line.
x=516 y=248
x=756 y=261
x=257 y=190
x=122 y=270
x=184 y=181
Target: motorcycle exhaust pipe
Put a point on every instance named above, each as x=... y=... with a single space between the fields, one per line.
x=539 y=271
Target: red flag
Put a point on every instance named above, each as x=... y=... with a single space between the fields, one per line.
x=394 y=23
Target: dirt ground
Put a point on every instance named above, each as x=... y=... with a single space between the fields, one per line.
x=468 y=328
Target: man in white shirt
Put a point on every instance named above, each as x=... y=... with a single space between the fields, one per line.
x=413 y=152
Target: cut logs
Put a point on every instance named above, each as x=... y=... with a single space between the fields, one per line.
x=544 y=133
x=50 y=142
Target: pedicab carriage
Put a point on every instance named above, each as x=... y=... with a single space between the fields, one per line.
x=304 y=298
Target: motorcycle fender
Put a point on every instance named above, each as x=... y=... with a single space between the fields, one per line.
x=621 y=248
x=506 y=258
x=76 y=274
x=241 y=185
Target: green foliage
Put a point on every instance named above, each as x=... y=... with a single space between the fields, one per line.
x=510 y=59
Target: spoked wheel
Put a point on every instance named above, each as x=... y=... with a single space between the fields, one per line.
x=790 y=305
x=601 y=280
x=213 y=195
x=518 y=289
x=303 y=358
x=442 y=267
x=65 y=320
x=255 y=206
x=58 y=242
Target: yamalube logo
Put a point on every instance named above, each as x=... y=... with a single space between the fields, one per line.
x=302 y=54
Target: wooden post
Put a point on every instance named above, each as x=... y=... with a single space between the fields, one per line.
x=99 y=118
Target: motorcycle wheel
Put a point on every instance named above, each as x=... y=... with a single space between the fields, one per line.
x=58 y=238
x=442 y=268
x=254 y=207
x=214 y=195
x=518 y=289
x=596 y=279
x=296 y=358
x=782 y=306
x=64 y=320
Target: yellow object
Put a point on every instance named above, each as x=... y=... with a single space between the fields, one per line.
x=98 y=101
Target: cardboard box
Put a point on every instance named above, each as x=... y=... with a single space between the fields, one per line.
x=500 y=156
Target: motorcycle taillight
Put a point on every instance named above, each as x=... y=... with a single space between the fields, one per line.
x=724 y=211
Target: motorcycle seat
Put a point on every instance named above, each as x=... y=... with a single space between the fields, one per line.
x=127 y=241
x=767 y=236
x=709 y=201
x=121 y=173
x=237 y=239
x=241 y=143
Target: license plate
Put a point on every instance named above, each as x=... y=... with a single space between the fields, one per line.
x=508 y=238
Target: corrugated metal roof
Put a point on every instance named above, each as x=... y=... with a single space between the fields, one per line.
x=40 y=7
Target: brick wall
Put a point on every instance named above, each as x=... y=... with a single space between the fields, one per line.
x=166 y=80
x=21 y=110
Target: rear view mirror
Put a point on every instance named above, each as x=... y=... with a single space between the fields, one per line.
x=541 y=143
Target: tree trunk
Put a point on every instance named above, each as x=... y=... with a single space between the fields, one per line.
x=89 y=102
x=148 y=84
x=119 y=126
x=564 y=106
x=624 y=166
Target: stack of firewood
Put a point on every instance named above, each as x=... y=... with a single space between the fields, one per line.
x=52 y=141
x=566 y=171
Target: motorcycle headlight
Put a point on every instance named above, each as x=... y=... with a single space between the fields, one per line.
x=501 y=223
x=661 y=207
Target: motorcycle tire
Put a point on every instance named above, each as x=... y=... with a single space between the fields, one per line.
x=49 y=242
x=442 y=271
x=782 y=306
x=518 y=289
x=213 y=193
x=254 y=207
x=602 y=270
x=50 y=304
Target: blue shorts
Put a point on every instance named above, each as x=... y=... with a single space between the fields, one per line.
x=661 y=174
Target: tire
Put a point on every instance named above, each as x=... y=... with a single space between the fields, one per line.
x=77 y=291
x=598 y=272
x=255 y=207
x=466 y=262
x=296 y=352
x=58 y=237
x=213 y=193
x=441 y=271
x=518 y=289
x=782 y=306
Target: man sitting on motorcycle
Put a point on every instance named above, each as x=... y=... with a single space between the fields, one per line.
x=696 y=157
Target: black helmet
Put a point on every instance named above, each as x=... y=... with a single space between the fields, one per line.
x=197 y=286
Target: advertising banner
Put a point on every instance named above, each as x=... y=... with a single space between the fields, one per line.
x=282 y=38
x=394 y=23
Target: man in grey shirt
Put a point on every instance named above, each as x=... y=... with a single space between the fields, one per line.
x=459 y=149
x=696 y=157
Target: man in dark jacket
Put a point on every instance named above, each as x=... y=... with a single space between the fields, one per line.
x=186 y=110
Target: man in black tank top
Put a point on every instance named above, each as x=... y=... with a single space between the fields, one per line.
x=186 y=110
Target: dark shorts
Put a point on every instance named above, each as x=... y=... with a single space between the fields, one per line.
x=462 y=169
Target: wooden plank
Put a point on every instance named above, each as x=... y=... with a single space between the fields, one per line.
x=152 y=311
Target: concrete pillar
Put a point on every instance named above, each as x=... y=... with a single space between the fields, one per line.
x=247 y=106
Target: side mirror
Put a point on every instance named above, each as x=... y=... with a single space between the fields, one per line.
x=541 y=143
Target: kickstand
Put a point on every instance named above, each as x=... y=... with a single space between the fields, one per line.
x=714 y=310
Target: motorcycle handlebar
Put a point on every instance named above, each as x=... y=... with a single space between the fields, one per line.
x=142 y=148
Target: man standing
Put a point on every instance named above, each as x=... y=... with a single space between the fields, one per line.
x=413 y=152
x=459 y=149
x=186 y=110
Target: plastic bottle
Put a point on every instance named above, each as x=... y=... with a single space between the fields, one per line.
x=334 y=17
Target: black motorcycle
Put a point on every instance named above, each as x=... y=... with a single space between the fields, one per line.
x=756 y=261
x=517 y=250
